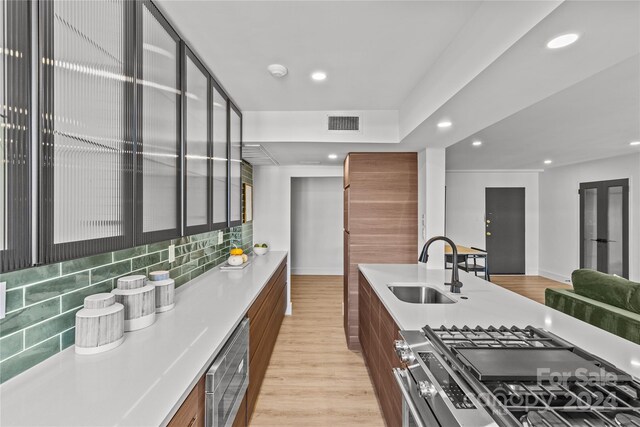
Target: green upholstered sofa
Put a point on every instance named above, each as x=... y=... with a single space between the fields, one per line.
x=608 y=302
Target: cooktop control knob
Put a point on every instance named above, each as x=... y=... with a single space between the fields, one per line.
x=426 y=389
x=406 y=356
x=400 y=345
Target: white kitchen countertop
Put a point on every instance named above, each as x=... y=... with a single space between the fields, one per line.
x=143 y=381
x=491 y=305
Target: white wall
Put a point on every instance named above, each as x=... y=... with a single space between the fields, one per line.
x=272 y=205
x=560 y=213
x=466 y=208
x=431 y=202
x=317 y=226
x=311 y=126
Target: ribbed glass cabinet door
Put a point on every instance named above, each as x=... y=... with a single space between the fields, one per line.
x=86 y=134
x=220 y=158
x=196 y=144
x=15 y=143
x=235 y=168
x=159 y=130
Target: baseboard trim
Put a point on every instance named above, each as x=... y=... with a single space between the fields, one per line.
x=289 y=311
x=554 y=276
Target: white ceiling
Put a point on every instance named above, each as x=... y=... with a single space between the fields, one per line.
x=593 y=119
x=526 y=102
x=374 y=52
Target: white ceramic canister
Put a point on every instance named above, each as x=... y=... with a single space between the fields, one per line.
x=139 y=302
x=165 y=291
x=99 y=325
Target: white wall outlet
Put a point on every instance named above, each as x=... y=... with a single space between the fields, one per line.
x=3 y=299
x=172 y=253
x=220 y=237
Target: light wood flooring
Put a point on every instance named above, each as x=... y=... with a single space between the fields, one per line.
x=531 y=287
x=313 y=379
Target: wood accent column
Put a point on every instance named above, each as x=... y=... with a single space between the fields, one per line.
x=381 y=220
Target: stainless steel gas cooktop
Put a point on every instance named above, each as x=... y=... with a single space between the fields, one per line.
x=510 y=376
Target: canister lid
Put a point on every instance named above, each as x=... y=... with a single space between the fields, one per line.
x=99 y=300
x=158 y=275
x=132 y=282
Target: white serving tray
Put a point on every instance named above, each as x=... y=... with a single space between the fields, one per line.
x=228 y=267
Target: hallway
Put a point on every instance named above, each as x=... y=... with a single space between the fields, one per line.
x=313 y=379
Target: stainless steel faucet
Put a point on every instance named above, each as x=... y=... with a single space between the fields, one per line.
x=455 y=284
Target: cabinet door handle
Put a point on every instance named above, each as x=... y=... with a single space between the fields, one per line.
x=193 y=421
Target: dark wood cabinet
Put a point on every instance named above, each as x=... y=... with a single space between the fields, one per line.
x=377 y=334
x=191 y=413
x=266 y=315
x=380 y=221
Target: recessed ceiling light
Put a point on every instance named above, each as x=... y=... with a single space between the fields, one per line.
x=548 y=162
x=319 y=76
x=444 y=124
x=476 y=143
x=634 y=143
x=562 y=41
x=277 y=70
x=333 y=156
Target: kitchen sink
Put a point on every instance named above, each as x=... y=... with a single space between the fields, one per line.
x=420 y=295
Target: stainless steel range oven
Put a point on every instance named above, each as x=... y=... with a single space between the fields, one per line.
x=228 y=379
x=509 y=377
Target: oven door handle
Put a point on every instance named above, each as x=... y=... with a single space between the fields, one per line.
x=401 y=379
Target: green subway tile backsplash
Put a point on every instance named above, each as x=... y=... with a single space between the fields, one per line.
x=42 y=301
x=11 y=345
x=15 y=299
x=30 y=275
x=28 y=358
x=58 y=286
x=109 y=271
x=27 y=316
x=76 y=298
x=50 y=328
x=85 y=263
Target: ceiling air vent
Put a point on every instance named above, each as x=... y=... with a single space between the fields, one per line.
x=344 y=123
x=257 y=155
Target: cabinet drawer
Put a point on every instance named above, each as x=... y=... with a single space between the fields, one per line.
x=191 y=413
x=258 y=365
x=263 y=295
x=259 y=322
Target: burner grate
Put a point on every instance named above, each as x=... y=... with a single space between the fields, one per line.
x=493 y=337
x=539 y=402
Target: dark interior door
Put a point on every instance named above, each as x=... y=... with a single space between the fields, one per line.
x=604 y=226
x=505 y=230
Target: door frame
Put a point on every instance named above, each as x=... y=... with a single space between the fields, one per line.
x=602 y=203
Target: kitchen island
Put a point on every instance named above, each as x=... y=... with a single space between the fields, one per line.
x=145 y=380
x=483 y=303
x=383 y=310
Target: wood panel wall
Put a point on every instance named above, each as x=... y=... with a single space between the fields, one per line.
x=381 y=220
